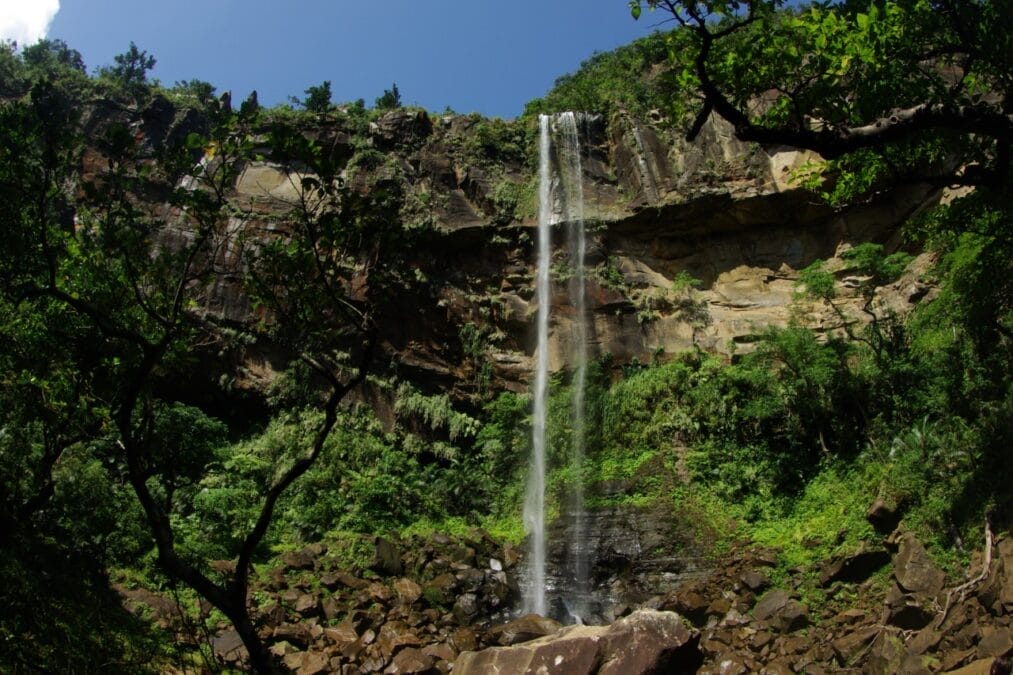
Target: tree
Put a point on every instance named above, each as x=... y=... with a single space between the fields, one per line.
x=390 y=99
x=106 y=285
x=131 y=69
x=318 y=98
x=47 y=52
x=901 y=90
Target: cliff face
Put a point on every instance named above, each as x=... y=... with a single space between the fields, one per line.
x=718 y=210
x=658 y=209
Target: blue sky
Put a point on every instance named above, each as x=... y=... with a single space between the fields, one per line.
x=478 y=56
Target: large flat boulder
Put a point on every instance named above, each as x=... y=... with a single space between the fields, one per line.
x=646 y=641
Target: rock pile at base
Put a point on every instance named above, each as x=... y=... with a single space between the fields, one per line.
x=435 y=605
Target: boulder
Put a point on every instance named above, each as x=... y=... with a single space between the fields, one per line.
x=781 y=612
x=856 y=567
x=914 y=570
x=527 y=627
x=995 y=643
x=410 y=661
x=646 y=641
x=228 y=646
x=395 y=635
x=407 y=591
x=466 y=608
x=386 y=559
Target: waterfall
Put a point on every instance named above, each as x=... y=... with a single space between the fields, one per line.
x=534 y=504
x=570 y=198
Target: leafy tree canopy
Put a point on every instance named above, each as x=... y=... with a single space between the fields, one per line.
x=893 y=89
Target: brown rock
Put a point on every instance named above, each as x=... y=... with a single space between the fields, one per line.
x=307 y=605
x=307 y=663
x=441 y=651
x=688 y=603
x=644 y=642
x=407 y=591
x=228 y=646
x=395 y=635
x=886 y=655
x=754 y=581
x=464 y=640
x=781 y=612
x=995 y=643
x=914 y=570
x=296 y=633
x=386 y=559
x=298 y=560
x=527 y=627
x=979 y=667
x=440 y=589
x=341 y=635
x=410 y=661
x=850 y=646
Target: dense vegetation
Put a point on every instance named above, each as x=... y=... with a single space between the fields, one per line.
x=126 y=448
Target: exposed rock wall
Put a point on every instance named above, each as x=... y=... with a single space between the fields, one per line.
x=721 y=211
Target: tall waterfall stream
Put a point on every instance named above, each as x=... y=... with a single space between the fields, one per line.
x=561 y=201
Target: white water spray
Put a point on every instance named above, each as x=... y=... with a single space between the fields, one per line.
x=571 y=201
x=534 y=504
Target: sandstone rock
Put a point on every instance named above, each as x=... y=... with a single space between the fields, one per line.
x=307 y=663
x=228 y=646
x=754 y=581
x=341 y=635
x=307 y=605
x=729 y=663
x=296 y=633
x=395 y=635
x=886 y=655
x=464 y=640
x=779 y=610
x=995 y=643
x=527 y=627
x=914 y=570
x=849 y=646
x=688 y=602
x=410 y=661
x=407 y=591
x=644 y=642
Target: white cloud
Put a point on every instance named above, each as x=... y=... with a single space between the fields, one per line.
x=26 y=21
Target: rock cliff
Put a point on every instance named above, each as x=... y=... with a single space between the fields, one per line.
x=718 y=211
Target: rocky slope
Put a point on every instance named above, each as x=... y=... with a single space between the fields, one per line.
x=437 y=604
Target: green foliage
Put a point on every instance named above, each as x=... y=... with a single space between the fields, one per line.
x=628 y=78
x=318 y=98
x=130 y=72
x=851 y=81
x=389 y=99
x=192 y=93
